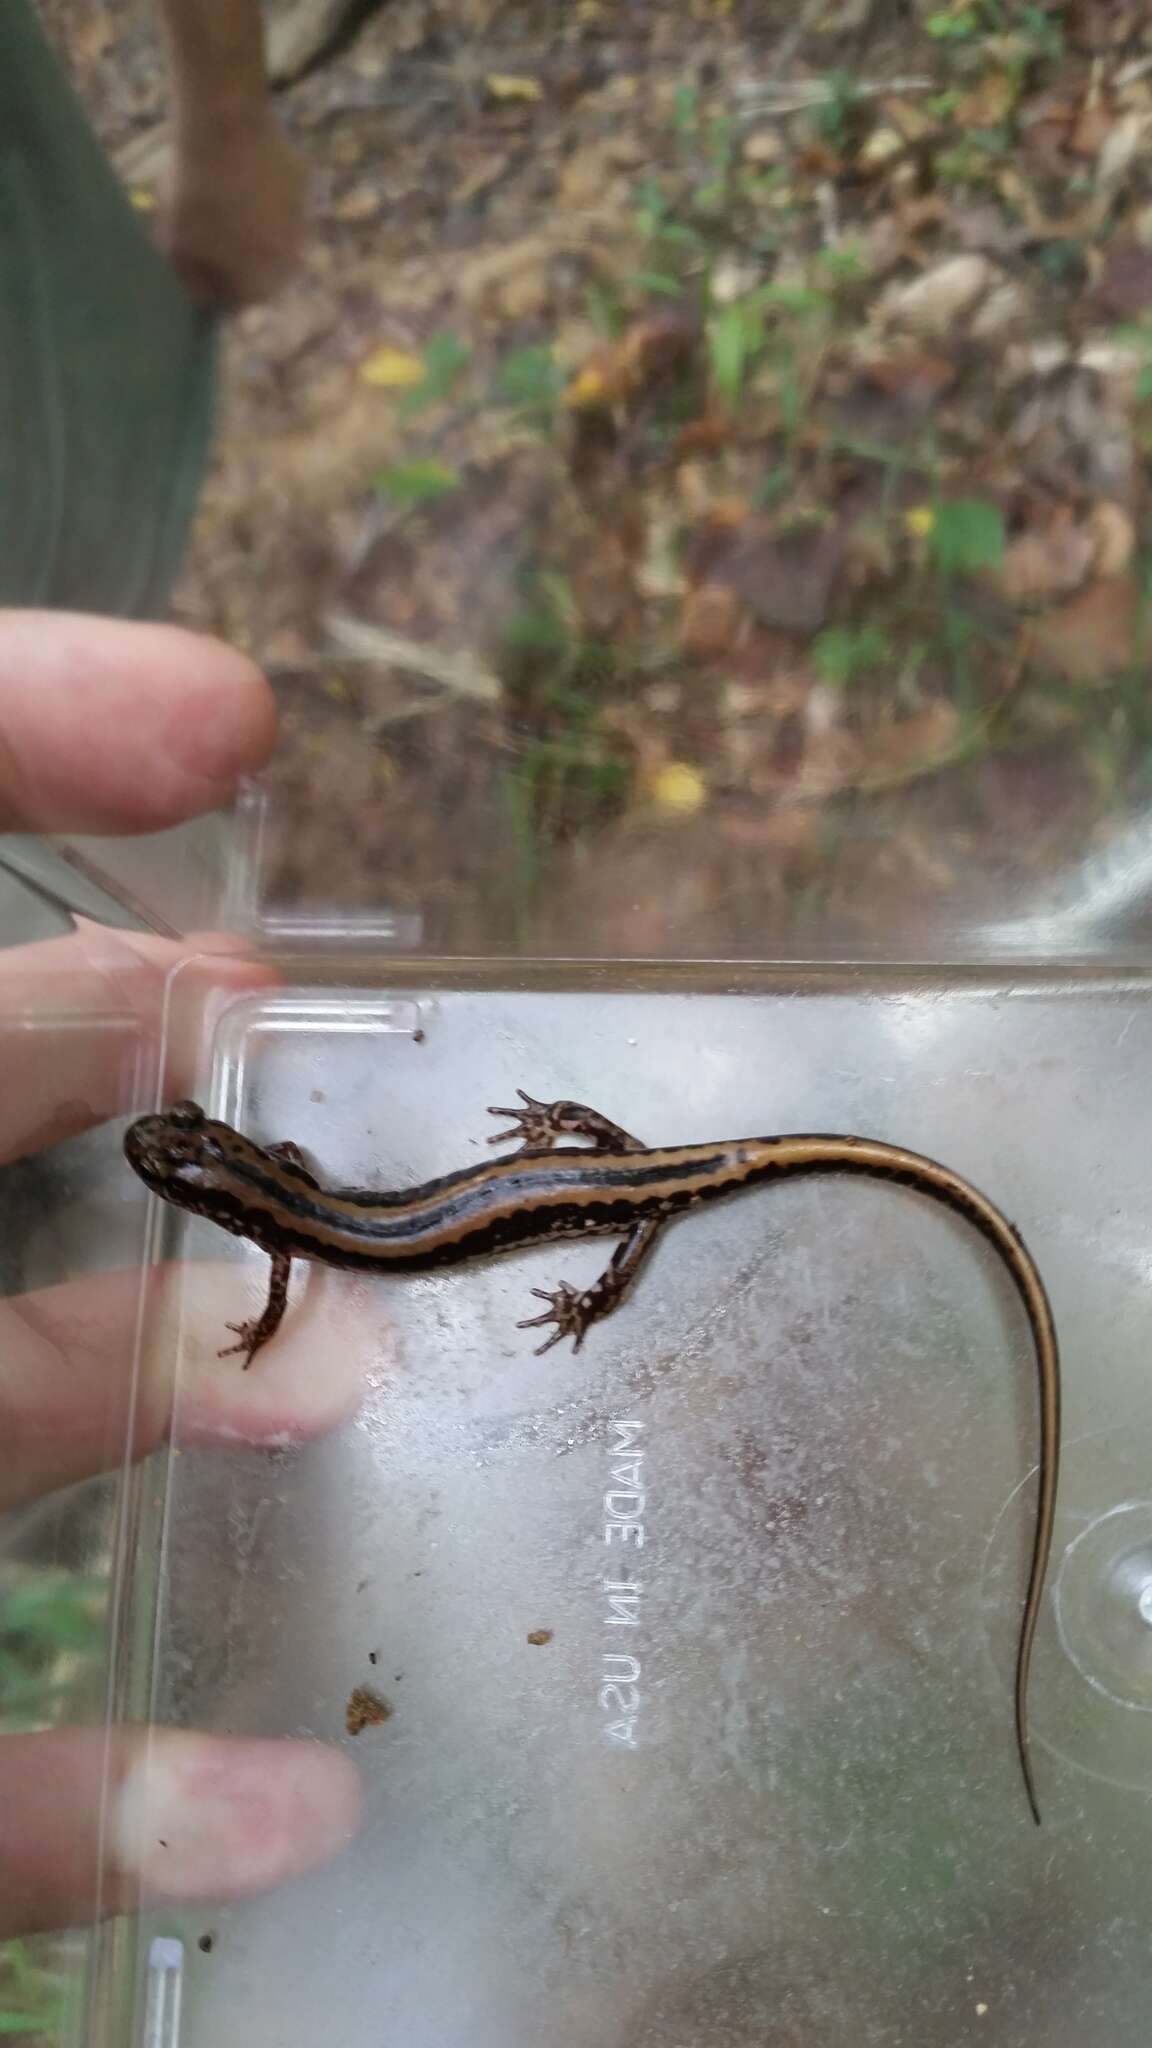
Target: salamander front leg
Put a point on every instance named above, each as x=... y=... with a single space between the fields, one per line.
x=539 y=1124
x=290 y=1155
x=254 y=1335
x=574 y=1313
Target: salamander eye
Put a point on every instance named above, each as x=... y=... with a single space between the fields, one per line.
x=186 y=1116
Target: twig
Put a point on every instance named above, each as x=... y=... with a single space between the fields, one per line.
x=797 y=93
x=361 y=640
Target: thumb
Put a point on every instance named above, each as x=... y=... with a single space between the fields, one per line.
x=188 y=1816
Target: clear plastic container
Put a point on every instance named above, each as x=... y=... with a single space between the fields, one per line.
x=756 y=1778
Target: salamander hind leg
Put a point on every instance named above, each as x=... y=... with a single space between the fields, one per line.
x=574 y=1312
x=539 y=1124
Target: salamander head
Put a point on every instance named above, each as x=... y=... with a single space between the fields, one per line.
x=178 y=1153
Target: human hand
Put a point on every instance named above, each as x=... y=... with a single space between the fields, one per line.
x=117 y=727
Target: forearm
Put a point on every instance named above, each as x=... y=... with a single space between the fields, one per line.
x=216 y=61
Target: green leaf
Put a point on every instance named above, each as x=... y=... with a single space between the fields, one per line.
x=656 y=281
x=952 y=28
x=842 y=260
x=734 y=337
x=530 y=376
x=967 y=535
x=794 y=299
x=776 y=485
x=842 y=651
x=418 y=483
x=443 y=358
x=651 y=206
x=685 y=109
x=59 y=1615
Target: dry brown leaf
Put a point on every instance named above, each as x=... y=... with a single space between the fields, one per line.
x=1113 y=536
x=493 y=271
x=763 y=146
x=913 y=746
x=1099 y=25
x=784 y=580
x=881 y=147
x=934 y=303
x=649 y=350
x=912 y=373
x=1090 y=129
x=90 y=36
x=362 y=202
x=1124 y=286
x=990 y=101
x=479 y=173
x=710 y=620
x=1093 y=638
x=1125 y=145
x=911 y=121
x=1006 y=306
x=1046 y=563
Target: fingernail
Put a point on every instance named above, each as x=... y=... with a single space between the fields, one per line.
x=204 y=1815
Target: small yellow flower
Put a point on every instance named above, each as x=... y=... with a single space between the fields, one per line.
x=678 y=789
x=586 y=388
x=919 y=520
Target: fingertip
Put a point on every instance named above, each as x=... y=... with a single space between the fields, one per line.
x=199 y=1815
x=306 y=1382
x=114 y=725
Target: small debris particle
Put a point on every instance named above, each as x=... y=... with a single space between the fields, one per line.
x=365 y=1709
x=539 y=1636
x=205 y=1944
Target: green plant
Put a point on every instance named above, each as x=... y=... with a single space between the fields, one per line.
x=686 y=109
x=530 y=379
x=36 y=1998
x=719 y=153
x=841 y=652
x=655 y=219
x=50 y=1618
x=1043 y=30
x=418 y=482
x=967 y=534
x=833 y=114
x=735 y=339
x=443 y=357
x=776 y=485
x=946 y=25
x=842 y=261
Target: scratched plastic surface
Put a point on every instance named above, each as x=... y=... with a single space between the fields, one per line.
x=759 y=1782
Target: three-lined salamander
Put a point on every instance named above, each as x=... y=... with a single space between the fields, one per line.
x=615 y=1187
